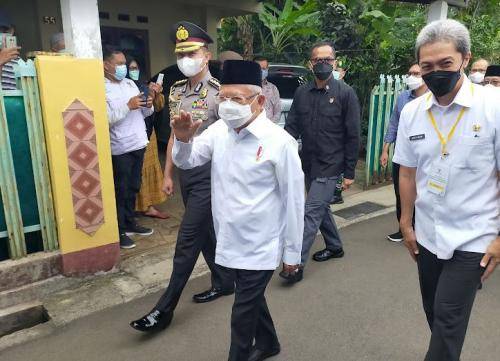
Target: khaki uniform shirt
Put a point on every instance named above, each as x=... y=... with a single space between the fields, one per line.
x=198 y=100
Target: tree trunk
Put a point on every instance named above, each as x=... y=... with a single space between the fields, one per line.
x=245 y=33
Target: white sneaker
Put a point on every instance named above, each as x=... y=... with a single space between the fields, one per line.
x=395 y=237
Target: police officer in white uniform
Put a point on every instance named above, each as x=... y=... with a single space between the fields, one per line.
x=448 y=146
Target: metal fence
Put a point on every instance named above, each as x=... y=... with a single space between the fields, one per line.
x=27 y=222
x=382 y=102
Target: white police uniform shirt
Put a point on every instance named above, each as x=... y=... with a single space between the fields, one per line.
x=466 y=216
x=257 y=192
x=127 y=129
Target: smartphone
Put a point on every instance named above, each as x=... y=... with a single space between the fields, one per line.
x=7 y=40
x=159 y=80
x=145 y=95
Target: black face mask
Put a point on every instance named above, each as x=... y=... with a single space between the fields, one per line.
x=442 y=82
x=322 y=71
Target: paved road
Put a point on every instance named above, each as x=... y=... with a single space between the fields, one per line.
x=363 y=307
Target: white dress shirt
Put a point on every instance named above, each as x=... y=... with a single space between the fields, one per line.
x=466 y=217
x=127 y=129
x=257 y=192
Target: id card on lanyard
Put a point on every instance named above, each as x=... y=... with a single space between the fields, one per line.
x=438 y=177
x=440 y=171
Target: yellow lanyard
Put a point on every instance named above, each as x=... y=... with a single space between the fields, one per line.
x=444 y=141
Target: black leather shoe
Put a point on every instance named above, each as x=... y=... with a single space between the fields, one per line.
x=338 y=200
x=293 y=277
x=211 y=295
x=326 y=254
x=154 y=321
x=260 y=355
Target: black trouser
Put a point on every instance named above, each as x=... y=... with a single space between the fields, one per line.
x=196 y=234
x=250 y=318
x=127 y=172
x=395 y=180
x=448 y=290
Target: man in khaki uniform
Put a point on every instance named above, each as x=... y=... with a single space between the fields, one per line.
x=198 y=100
x=195 y=95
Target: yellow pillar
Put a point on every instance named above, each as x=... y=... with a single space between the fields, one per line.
x=76 y=127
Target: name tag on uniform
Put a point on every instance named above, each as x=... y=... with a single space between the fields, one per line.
x=417 y=137
x=438 y=178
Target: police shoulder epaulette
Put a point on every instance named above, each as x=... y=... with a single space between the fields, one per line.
x=179 y=83
x=214 y=82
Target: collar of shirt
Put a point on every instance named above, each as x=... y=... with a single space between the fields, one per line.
x=125 y=81
x=327 y=88
x=196 y=89
x=256 y=128
x=463 y=97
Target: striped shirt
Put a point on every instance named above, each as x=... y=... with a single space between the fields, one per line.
x=8 y=76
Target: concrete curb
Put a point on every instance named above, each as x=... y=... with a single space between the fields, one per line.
x=135 y=279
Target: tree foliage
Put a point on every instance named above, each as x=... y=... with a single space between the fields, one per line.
x=284 y=26
x=372 y=37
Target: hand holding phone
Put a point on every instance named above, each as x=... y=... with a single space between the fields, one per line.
x=159 y=80
x=8 y=54
x=145 y=93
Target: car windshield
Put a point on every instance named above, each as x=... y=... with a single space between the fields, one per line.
x=287 y=79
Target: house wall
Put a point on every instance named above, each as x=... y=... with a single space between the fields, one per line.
x=34 y=34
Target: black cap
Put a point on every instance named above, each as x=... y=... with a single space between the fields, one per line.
x=493 y=70
x=241 y=72
x=188 y=37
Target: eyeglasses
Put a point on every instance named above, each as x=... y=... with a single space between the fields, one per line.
x=322 y=60
x=237 y=99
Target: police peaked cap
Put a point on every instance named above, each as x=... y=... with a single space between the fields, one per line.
x=189 y=37
x=241 y=72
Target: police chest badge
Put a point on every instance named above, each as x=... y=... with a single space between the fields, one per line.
x=200 y=104
x=174 y=107
x=198 y=114
x=204 y=93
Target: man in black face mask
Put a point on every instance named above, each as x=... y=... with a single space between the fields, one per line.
x=325 y=114
x=448 y=147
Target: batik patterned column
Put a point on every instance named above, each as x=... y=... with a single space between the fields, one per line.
x=83 y=162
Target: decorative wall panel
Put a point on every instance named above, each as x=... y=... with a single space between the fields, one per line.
x=83 y=161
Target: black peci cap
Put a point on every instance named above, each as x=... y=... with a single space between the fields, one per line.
x=188 y=37
x=241 y=72
x=493 y=70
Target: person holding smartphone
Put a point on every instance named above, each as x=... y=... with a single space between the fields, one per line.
x=9 y=52
x=127 y=109
x=152 y=175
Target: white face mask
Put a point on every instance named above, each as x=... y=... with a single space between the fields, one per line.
x=476 y=77
x=235 y=115
x=190 y=66
x=414 y=82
